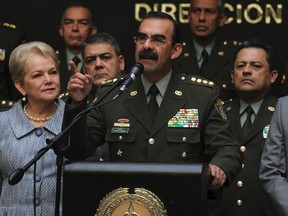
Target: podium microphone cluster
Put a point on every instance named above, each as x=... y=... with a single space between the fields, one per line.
x=135 y=71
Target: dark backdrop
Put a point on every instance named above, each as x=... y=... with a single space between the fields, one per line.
x=40 y=20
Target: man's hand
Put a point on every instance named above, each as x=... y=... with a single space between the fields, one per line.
x=218 y=177
x=79 y=84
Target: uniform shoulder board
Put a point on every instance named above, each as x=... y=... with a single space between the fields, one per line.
x=63 y=95
x=6 y=104
x=12 y=28
x=232 y=43
x=8 y=25
x=197 y=80
x=109 y=81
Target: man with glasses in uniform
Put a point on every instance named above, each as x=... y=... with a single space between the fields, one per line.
x=169 y=117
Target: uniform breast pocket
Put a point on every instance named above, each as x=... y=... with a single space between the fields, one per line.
x=185 y=143
x=120 y=135
x=120 y=144
x=183 y=136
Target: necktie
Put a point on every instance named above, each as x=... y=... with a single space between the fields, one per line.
x=76 y=60
x=205 y=57
x=247 y=124
x=153 y=105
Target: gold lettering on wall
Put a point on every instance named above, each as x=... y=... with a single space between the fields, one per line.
x=253 y=8
x=169 y=9
x=140 y=7
x=277 y=16
x=183 y=12
x=180 y=12
x=253 y=13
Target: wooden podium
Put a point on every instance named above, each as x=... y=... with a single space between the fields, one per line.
x=169 y=189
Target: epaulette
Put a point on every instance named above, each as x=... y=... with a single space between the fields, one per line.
x=193 y=79
x=232 y=43
x=8 y=25
x=65 y=94
x=7 y=103
x=109 y=81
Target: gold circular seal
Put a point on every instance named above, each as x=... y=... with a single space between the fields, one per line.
x=120 y=203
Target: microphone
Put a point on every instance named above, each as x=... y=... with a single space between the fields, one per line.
x=136 y=70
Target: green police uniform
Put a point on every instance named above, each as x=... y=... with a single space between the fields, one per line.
x=190 y=126
x=219 y=65
x=245 y=196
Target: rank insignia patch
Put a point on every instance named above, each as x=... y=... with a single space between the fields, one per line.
x=219 y=106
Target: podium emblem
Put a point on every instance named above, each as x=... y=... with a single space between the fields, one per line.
x=120 y=203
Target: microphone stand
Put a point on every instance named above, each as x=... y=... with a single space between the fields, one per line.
x=18 y=174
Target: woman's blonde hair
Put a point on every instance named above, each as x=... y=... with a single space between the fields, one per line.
x=18 y=58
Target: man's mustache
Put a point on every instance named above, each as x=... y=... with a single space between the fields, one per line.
x=148 y=54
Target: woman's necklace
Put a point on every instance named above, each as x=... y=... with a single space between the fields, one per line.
x=35 y=119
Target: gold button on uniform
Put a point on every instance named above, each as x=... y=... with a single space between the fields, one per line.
x=242 y=148
x=120 y=137
x=151 y=141
x=239 y=184
x=239 y=202
x=184 y=139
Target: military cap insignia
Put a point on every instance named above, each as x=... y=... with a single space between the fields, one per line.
x=219 y=107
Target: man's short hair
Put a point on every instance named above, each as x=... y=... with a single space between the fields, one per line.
x=77 y=4
x=100 y=38
x=258 y=43
x=161 y=15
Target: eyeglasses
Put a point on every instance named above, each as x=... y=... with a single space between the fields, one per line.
x=158 y=40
